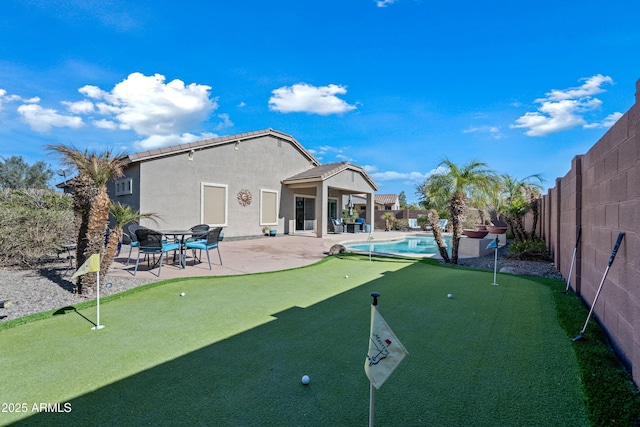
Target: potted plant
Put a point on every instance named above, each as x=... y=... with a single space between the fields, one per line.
x=266 y=230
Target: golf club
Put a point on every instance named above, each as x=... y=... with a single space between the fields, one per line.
x=573 y=260
x=611 y=258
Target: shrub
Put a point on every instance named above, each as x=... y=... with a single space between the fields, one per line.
x=401 y=224
x=33 y=225
x=529 y=250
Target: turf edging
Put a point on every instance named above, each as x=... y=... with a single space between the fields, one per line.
x=612 y=398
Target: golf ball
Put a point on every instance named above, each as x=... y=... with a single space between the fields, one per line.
x=346 y=277
x=305 y=379
x=182 y=294
x=449 y=296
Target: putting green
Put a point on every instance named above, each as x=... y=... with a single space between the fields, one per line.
x=232 y=351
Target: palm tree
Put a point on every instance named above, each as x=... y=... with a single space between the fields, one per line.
x=122 y=216
x=458 y=184
x=389 y=219
x=434 y=221
x=91 y=201
x=515 y=200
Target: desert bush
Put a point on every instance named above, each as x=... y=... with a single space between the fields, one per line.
x=401 y=224
x=529 y=250
x=33 y=225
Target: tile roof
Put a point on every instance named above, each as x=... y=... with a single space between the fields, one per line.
x=387 y=199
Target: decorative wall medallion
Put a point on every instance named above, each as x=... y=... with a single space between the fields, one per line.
x=244 y=197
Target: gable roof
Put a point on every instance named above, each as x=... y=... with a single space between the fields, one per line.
x=323 y=172
x=379 y=199
x=208 y=143
x=387 y=199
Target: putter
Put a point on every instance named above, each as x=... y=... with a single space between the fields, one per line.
x=611 y=258
x=573 y=260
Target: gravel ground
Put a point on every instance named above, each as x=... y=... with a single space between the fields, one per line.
x=506 y=265
x=50 y=287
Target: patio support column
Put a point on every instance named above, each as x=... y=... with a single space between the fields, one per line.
x=370 y=219
x=322 y=200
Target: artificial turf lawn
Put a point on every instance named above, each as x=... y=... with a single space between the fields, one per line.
x=233 y=350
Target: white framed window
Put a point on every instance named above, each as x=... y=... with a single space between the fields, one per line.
x=268 y=207
x=214 y=205
x=124 y=186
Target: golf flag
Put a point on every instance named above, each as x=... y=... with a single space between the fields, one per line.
x=385 y=351
x=91 y=265
x=493 y=244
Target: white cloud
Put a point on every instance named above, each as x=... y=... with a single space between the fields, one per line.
x=408 y=177
x=305 y=98
x=4 y=98
x=152 y=108
x=590 y=87
x=384 y=3
x=80 y=107
x=43 y=119
x=225 y=123
x=92 y=91
x=611 y=119
x=493 y=131
x=155 y=141
x=105 y=124
x=158 y=112
x=565 y=109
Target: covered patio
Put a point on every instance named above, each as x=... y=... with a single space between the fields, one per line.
x=318 y=195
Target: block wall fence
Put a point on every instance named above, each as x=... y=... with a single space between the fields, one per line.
x=600 y=195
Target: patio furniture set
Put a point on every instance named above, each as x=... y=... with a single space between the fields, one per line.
x=339 y=226
x=153 y=242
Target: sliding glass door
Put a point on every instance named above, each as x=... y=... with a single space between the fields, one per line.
x=305 y=213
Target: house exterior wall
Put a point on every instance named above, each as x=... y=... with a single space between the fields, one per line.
x=171 y=186
x=601 y=194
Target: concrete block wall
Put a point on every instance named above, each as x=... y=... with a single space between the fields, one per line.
x=601 y=194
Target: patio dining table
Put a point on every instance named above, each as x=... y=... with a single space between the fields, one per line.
x=181 y=236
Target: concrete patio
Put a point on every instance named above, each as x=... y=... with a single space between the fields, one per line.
x=250 y=256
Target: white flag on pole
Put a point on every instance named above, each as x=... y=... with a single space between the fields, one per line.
x=385 y=351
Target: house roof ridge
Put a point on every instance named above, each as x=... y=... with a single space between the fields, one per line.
x=210 y=142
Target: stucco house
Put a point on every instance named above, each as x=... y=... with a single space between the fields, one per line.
x=243 y=183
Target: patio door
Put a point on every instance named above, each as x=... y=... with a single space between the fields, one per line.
x=305 y=213
x=332 y=209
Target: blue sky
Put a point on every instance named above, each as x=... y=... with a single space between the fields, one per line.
x=394 y=86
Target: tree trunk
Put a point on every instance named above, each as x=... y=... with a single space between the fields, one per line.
x=83 y=193
x=434 y=221
x=110 y=251
x=96 y=228
x=457 y=209
x=535 y=204
x=519 y=227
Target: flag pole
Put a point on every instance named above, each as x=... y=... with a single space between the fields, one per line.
x=372 y=390
x=495 y=262
x=98 y=325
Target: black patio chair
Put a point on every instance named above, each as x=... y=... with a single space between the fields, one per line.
x=211 y=242
x=151 y=242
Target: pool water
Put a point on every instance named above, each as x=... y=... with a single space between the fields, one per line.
x=411 y=245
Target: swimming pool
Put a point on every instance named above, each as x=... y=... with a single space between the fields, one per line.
x=410 y=245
